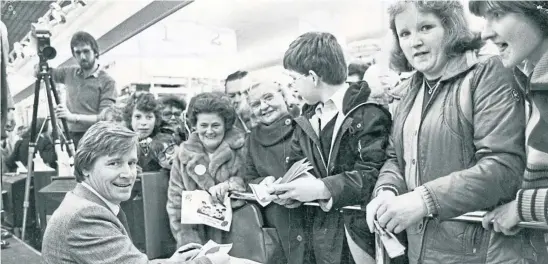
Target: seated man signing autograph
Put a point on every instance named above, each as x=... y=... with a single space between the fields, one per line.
x=89 y=226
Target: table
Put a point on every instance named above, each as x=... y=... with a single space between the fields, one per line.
x=19 y=252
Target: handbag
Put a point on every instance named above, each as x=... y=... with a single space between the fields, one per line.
x=251 y=239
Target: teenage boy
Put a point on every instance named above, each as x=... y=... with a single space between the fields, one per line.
x=344 y=137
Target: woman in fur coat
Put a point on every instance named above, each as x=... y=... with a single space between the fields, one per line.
x=211 y=159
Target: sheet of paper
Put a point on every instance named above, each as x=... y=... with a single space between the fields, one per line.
x=211 y=247
x=391 y=244
x=197 y=207
x=261 y=194
x=298 y=170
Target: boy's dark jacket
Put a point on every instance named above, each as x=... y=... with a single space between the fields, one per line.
x=357 y=155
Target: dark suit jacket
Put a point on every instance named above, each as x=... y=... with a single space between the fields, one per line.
x=84 y=230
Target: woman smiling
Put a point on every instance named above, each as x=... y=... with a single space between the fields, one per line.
x=268 y=146
x=211 y=159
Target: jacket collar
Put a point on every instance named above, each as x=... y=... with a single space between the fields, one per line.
x=539 y=78
x=193 y=154
x=455 y=67
x=269 y=135
x=460 y=64
x=87 y=194
x=115 y=208
x=94 y=73
x=356 y=94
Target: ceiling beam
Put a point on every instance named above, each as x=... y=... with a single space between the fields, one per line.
x=132 y=26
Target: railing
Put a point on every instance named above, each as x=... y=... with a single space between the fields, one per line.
x=381 y=257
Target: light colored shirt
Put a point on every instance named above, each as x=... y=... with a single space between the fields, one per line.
x=115 y=208
x=324 y=113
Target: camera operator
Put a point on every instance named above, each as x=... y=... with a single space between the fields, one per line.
x=89 y=89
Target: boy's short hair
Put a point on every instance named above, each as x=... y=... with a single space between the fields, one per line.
x=319 y=52
x=112 y=113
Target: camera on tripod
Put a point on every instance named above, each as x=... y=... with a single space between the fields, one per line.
x=42 y=34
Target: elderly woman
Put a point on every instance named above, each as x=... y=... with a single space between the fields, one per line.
x=142 y=115
x=269 y=143
x=212 y=159
x=457 y=140
x=520 y=30
x=89 y=226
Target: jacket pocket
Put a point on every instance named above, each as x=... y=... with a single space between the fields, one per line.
x=456 y=237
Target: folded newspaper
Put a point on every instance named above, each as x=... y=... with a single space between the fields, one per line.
x=197 y=207
x=298 y=170
x=391 y=244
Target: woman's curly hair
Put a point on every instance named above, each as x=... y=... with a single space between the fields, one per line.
x=212 y=102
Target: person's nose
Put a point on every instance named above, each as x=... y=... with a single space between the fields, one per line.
x=416 y=41
x=487 y=32
x=126 y=171
x=264 y=105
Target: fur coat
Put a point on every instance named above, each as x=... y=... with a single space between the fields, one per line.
x=227 y=163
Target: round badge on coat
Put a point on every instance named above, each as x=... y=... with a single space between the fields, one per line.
x=288 y=122
x=200 y=169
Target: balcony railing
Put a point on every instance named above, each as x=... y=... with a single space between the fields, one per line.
x=56 y=15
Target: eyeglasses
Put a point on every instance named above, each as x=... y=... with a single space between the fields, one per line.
x=169 y=151
x=169 y=115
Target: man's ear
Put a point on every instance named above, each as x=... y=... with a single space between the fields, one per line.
x=86 y=173
x=315 y=78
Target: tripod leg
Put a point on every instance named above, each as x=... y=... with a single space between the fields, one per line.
x=70 y=143
x=32 y=150
x=54 y=126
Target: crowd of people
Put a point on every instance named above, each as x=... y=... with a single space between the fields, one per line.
x=462 y=132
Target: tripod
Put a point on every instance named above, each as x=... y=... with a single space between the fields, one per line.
x=45 y=76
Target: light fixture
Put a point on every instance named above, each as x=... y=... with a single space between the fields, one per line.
x=57 y=13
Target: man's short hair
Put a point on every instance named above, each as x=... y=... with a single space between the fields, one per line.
x=357 y=69
x=84 y=38
x=104 y=138
x=319 y=52
x=235 y=76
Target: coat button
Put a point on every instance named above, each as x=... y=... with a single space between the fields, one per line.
x=420 y=226
x=288 y=122
x=299 y=238
x=413 y=161
x=359 y=125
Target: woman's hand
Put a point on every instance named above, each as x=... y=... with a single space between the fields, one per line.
x=505 y=219
x=373 y=206
x=397 y=214
x=219 y=191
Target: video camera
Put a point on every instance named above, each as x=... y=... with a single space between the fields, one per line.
x=42 y=34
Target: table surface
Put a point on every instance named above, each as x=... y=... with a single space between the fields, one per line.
x=19 y=252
